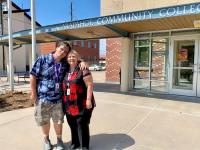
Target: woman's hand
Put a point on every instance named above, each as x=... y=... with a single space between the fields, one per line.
x=88 y=104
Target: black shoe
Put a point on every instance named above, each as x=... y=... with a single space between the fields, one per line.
x=73 y=147
x=84 y=148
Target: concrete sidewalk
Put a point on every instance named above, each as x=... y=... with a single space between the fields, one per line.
x=120 y=121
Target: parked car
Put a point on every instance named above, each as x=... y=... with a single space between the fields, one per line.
x=95 y=67
x=103 y=65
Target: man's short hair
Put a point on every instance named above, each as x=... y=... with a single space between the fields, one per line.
x=64 y=43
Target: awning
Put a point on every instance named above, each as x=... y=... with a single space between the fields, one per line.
x=119 y=25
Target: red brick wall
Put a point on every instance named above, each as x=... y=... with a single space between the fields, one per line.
x=90 y=55
x=113 y=59
x=47 y=48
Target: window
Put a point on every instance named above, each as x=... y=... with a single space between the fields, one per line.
x=150 y=63
x=89 y=44
x=74 y=43
x=82 y=43
x=142 y=53
x=95 y=45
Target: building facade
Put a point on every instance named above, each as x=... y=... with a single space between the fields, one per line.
x=88 y=49
x=163 y=53
x=21 y=53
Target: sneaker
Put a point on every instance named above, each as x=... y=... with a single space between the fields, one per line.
x=47 y=145
x=60 y=145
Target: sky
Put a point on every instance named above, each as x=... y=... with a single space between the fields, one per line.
x=58 y=11
x=50 y=12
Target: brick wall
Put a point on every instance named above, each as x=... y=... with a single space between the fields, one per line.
x=89 y=53
x=113 y=59
x=47 y=48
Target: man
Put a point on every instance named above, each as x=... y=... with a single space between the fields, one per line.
x=45 y=78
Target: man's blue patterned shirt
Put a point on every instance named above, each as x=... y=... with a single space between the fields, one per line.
x=46 y=78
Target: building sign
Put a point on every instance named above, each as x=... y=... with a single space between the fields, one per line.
x=180 y=10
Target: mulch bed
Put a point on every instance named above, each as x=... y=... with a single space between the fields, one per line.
x=16 y=100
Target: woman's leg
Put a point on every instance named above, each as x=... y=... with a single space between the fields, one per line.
x=83 y=129
x=72 y=121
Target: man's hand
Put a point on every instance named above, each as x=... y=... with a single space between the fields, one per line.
x=33 y=97
x=83 y=65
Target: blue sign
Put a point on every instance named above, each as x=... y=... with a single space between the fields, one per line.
x=180 y=10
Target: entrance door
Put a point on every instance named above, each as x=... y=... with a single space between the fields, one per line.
x=183 y=66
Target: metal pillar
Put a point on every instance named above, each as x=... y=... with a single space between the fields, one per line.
x=33 y=31
x=11 y=77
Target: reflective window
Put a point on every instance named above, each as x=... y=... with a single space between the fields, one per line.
x=151 y=64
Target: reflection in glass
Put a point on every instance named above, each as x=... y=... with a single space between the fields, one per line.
x=142 y=59
x=142 y=84
x=159 y=59
x=183 y=79
x=159 y=86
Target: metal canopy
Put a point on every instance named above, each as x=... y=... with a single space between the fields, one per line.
x=119 y=25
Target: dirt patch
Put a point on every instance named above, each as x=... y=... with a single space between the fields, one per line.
x=17 y=100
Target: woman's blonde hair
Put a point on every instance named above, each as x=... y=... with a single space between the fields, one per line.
x=75 y=53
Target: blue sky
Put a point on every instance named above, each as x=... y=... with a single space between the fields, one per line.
x=58 y=11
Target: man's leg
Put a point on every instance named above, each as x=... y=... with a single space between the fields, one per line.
x=57 y=117
x=42 y=116
x=58 y=130
x=45 y=131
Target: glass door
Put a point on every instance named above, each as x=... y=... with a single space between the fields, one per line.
x=183 y=66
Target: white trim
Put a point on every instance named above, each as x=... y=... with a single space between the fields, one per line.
x=164 y=31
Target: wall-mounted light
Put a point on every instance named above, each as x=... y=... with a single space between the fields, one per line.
x=196 y=23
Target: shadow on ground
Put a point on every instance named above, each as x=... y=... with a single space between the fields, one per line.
x=111 y=141
x=115 y=88
x=108 y=142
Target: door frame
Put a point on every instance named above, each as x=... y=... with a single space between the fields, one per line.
x=192 y=92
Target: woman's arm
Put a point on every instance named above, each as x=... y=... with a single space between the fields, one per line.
x=89 y=84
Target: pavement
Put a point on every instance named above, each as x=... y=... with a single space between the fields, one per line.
x=121 y=121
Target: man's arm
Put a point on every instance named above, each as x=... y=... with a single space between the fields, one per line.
x=33 y=88
x=82 y=64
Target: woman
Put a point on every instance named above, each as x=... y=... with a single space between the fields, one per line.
x=78 y=101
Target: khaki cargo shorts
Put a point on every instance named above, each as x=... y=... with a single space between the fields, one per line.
x=45 y=111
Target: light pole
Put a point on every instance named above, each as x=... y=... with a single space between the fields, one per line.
x=11 y=77
x=33 y=31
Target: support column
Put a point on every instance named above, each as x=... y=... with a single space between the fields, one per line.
x=126 y=46
x=33 y=32
x=11 y=74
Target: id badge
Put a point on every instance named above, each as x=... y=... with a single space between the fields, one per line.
x=57 y=88
x=68 y=91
